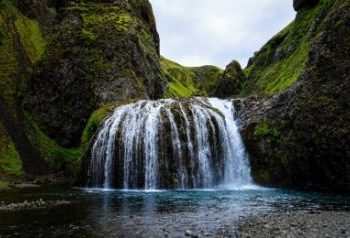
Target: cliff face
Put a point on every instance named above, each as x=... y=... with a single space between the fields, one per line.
x=21 y=46
x=61 y=61
x=300 y=137
x=98 y=53
x=280 y=62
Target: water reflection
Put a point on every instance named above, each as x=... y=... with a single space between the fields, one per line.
x=116 y=213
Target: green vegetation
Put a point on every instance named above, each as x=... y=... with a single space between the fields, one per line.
x=15 y=27
x=95 y=121
x=31 y=37
x=279 y=63
x=55 y=155
x=266 y=129
x=4 y=184
x=9 y=65
x=185 y=82
x=10 y=162
x=97 y=118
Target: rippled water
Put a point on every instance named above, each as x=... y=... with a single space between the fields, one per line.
x=112 y=213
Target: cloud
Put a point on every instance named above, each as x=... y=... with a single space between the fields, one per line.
x=197 y=32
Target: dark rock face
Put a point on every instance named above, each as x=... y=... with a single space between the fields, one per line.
x=231 y=81
x=33 y=8
x=101 y=53
x=299 y=4
x=300 y=138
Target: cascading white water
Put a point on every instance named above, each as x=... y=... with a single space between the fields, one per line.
x=192 y=143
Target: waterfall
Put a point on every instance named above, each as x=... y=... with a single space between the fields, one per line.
x=165 y=144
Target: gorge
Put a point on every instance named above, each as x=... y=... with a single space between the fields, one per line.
x=102 y=136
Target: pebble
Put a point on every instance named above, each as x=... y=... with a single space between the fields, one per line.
x=190 y=233
x=26 y=205
x=296 y=224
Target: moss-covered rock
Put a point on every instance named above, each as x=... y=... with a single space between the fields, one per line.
x=230 y=83
x=99 y=52
x=279 y=63
x=300 y=138
x=21 y=46
x=91 y=54
x=10 y=161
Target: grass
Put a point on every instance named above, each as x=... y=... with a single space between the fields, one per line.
x=279 y=63
x=185 y=82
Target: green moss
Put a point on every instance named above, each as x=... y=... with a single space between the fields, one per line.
x=95 y=120
x=266 y=129
x=31 y=37
x=279 y=63
x=55 y=155
x=4 y=184
x=99 y=116
x=9 y=65
x=87 y=35
x=15 y=26
x=10 y=162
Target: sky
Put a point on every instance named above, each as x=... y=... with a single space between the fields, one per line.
x=214 y=32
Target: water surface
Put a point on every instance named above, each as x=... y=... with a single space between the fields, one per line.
x=115 y=213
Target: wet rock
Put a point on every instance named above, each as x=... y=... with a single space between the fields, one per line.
x=190 y=233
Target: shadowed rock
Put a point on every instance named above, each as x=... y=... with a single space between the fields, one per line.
x=231 y=81
x=299 y=4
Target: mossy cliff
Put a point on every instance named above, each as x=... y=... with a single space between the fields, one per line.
x=300 y=137
x=21 y=45
x=280 y=62
x=60 y=62
x=99 y=52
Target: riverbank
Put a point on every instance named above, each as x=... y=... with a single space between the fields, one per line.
x=297 y=224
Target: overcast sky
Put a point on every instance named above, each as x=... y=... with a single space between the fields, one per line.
x=200 y=32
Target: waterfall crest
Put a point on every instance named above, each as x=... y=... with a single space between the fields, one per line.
x=165 y=144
